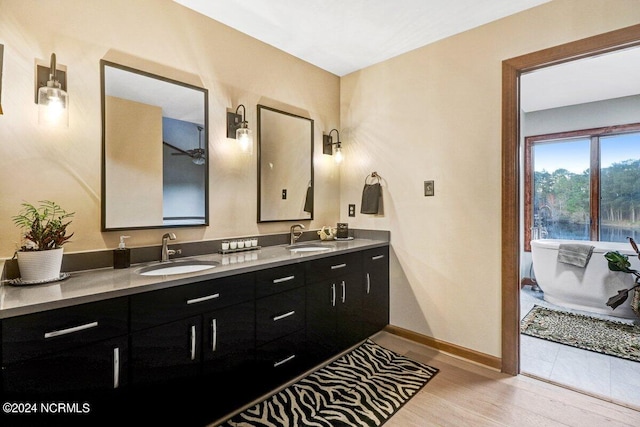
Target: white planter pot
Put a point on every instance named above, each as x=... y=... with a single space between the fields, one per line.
x=40 y=265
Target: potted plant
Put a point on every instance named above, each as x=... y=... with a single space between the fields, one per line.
x=45 y=231
x=619 y=262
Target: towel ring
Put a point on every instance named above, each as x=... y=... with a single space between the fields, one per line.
x=374 y=175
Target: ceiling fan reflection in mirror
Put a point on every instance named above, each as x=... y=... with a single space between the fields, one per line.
x=197 y=155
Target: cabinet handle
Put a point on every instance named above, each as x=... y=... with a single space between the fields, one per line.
x=344 y=291
x=377 y=257
x=335 y=267
x=368 y=283
x=282 y=316
x=70 y=330
x=116 y=367
x=193 y=342
x=284 y=279
x=201 y=299
x=283 y=361
x=333 y=295
x=214 y=334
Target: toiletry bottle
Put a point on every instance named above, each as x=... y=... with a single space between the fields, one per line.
x=122 y=255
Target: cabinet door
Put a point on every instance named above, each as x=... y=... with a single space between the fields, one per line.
x=376 y=290
x=99 y=366
x=167 y=352
x=321 y=319
x=349 y=300
x=229 y=338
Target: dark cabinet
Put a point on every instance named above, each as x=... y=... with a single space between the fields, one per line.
x=280 y=325
x=235 y=337
x=375 y=307
x=334 y=315
x=98 y=366
x=78 y=348
x=201 y=328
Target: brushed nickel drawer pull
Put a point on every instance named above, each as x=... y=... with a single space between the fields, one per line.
x=70 y=330
x=284 y=279
x=214 y=334
x=201 y=299
x=368 y=283
x=282 y=316
x=116 y=367
x=377 y=257
x=193 y=342
x=335 y=267
x=344 y=291
x=333 y=295
x=283 y=361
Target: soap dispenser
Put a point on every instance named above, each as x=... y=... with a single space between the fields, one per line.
x=122 y=255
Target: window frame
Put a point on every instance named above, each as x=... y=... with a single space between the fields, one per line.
x=594 y=135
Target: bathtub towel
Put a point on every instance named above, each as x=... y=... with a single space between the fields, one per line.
x=575 y=254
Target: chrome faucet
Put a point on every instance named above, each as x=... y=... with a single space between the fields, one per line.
x=295 y=235
x=166 y=252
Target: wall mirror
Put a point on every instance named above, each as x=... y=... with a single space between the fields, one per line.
x=285 y=166
x=154 y=150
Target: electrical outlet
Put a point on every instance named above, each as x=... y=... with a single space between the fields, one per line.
x=352 y=210
x=284 y=194
x=428 y=188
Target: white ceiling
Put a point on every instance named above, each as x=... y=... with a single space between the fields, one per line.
x=342 y=36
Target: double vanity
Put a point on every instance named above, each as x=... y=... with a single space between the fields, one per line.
x=212 y=332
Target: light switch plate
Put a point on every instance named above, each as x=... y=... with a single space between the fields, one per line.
x=428 y=188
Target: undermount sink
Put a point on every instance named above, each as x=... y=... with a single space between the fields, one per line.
x=176 y=267
x=309 y=247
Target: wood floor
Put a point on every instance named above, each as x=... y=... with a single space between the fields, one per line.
x=466 y=394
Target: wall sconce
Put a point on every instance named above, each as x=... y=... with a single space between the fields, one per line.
x=51 y=97
x=327 y=145
x=238 y=128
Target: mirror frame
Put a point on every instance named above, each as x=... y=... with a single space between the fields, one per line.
x=205 y=93
x=259 y=108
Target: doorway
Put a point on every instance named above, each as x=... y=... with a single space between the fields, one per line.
x=512 y=69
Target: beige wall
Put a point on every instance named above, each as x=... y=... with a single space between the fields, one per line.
x=435 y=114
x=64 y=164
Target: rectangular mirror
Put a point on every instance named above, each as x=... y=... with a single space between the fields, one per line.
x=285 y=166
x=154 y=150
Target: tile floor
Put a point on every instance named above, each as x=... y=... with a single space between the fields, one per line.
x=608 y=377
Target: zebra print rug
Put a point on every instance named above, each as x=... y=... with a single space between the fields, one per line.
x=365 y=387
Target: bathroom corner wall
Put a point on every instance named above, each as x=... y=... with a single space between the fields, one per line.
x=435 y=114
x=64 y=165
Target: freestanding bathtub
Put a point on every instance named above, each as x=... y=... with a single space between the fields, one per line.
x=588 y=288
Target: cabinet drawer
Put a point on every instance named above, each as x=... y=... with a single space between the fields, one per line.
x=166 y=305
x=334 y=266
x=281 y=360
x=279 y=279
x=51 y=331
x=280 y=315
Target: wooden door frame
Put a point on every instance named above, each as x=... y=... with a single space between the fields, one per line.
x=512 y=69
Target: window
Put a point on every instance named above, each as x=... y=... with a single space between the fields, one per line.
x=583 y=185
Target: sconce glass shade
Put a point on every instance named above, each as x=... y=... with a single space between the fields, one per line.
x=53 y=101
x=338 y=154
x=245 y=139
x=53 y=104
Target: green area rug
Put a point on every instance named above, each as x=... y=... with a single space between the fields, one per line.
x=589 y=333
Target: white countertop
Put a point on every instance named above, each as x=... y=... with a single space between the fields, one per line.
x=99 y=284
